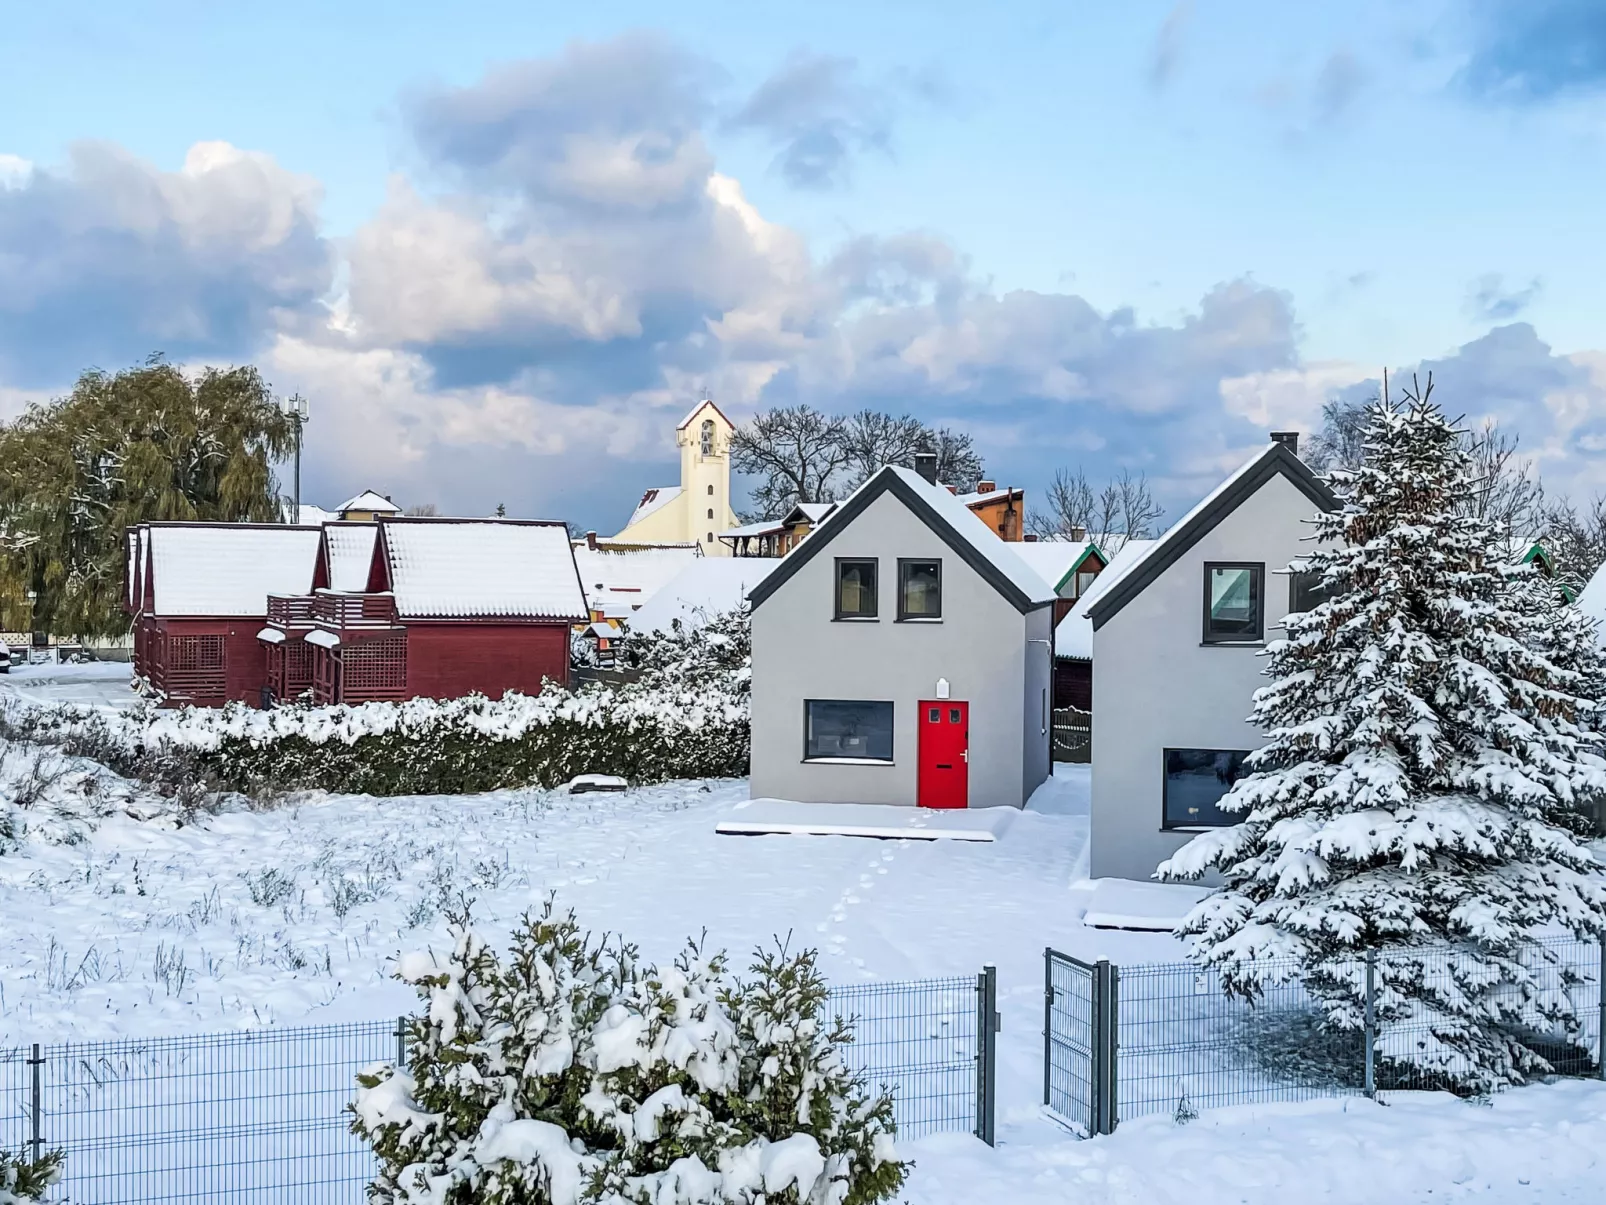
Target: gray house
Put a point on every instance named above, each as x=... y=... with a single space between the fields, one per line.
x=902 y=655
x=1177 y=640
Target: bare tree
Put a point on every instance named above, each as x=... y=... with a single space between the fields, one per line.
x=1123 y=510
x=1576 y=537
x=958 y=462
x=796 y=452
x=423 y=510
x=874 y=439
x=1341 y=443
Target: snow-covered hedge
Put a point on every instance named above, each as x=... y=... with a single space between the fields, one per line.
x=23 y=1179
x=570 y=1073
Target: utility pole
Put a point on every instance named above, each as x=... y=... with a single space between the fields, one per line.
x=296 y=407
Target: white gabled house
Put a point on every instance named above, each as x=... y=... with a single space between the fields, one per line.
x=1176 y=643
x=901 y=655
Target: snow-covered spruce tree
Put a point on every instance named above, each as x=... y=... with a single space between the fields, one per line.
x=1423 y=756
x=23 y=1179
x=574 y=1075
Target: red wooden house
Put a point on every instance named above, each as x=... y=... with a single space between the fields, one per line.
x=198 y=593
x=449 y=607
x=345 y=555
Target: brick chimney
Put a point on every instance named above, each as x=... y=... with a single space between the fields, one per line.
x=591 y=540
x=1029 y=538
x=1289 y=440
x=1078 y=533
x=986 y=487
x=926 y=466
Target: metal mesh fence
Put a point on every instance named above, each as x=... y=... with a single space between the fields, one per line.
x=1068 y=1051
x=258 y=1117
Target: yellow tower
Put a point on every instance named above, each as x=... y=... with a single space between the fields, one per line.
x=699 y=508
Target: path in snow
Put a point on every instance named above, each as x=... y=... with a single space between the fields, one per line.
x=90 y=683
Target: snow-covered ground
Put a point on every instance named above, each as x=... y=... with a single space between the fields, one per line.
x=89 y=683
x=292 y=915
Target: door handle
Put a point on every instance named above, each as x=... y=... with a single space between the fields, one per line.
x=966 y=755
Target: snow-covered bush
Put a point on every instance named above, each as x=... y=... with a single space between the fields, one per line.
x=1430 y=743
x=23 y=1179
x=569 y=1072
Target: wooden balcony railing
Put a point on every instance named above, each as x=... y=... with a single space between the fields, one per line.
x=342 y=611
x=290 y=610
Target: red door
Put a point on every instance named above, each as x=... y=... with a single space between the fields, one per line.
x=944 y=780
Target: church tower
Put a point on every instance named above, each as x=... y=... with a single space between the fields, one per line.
x=704 y=437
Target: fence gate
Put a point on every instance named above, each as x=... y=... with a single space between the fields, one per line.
x=1079 y=1041
x=1073 y=735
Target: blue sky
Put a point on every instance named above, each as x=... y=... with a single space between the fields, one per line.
x=501 y=245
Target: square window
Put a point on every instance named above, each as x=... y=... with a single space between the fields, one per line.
x=859 y=731
x=953 y=715
x=934 y=715
x=1233 y=596
x=1305 y=592
x=1195 y=781
x=919 y=589
x=855 y=589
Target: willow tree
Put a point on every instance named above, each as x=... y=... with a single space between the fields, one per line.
x=148 y=443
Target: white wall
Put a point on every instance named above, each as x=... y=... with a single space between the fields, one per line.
x=800 y=652
x=1156 y=685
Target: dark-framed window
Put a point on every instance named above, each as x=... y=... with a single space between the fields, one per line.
x=919 y=589
x=855 y=588
x=1234 y=601
x=1194 y=782
x=850 y=729
x=1305 y=592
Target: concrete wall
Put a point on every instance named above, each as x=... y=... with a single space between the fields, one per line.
x=1157 y=686
x=800 y=652
x=1037 y=723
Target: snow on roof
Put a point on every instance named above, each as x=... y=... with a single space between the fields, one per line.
x=1000 y=553
x=654 y=499
x=370 y=501
x=228 y=568
x=1053 y=559
x=706 y=586
x=815 y=511
x=351 y=554
x=628 y=576
x=1073 y=637
x=766 y=528
x=1592 y=602
x=990 y=496
x=693 y=412
x=471 y=567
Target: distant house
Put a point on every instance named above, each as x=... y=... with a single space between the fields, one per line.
x=1176 y=643
x=619 y=578
x=693 y=511
x=901 y=655
x=707 y=587
x=450 y=607
x=198 y=594
x=1002 y=510
x=1073 y=630
x=366 y=507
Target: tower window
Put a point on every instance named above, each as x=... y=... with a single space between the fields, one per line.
x=710 y=512
x=710 y=491
x=709 y=538
x=707 y=439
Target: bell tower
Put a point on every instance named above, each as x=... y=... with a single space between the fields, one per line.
x=704 y=437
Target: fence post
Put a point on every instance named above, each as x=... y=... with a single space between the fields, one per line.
x=1112 y=1104
x=1048 y=1022
x=1105 y=1024
x=987 y=1027
x=36 y=1113
x=401 y=1043
x=1370 y=1030
x=1600 y=1038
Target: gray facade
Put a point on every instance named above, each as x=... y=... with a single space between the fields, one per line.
x=1157 y=684
x=992 y=651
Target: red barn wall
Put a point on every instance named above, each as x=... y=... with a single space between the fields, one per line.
x=245 y=660
x=448 y=660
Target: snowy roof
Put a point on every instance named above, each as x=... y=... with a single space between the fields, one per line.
x=978 y=499
x=654 y=499
x=1073 y=637
x=1053 y=560
x=228 y=568
x=351 y=554
x=462 y=568
x=697 y=409
x=1592 y=602
x=766 y=528
x=944 y=513
x=628 y=577
x=814 y=511
x=1271 y=461
x=370 y=501
x=707 y=586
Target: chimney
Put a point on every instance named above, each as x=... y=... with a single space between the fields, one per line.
x=1078 y=533
x=591 y=540
x=1030 y=537
x=986 y=487
x=1289 y=440
x=926 y=466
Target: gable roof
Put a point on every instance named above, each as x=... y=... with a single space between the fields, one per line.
x=697 y=409
x=1056 y=560
x=945 y=515
x=707 y=586
x=654 y=499
x=1274 y=460
x=479 y=568
x=227 y=569
x=370 y=501
x=1592 y=601
x=618 y=580
x=347 y=555
x=1073 y=635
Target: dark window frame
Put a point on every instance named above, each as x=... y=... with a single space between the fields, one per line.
x=903 y=563
x=1258 y=593
x=829 y=758
x=1166 y=823
x=837 y=614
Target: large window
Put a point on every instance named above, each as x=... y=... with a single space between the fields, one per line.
x=1195 y=781
x=919 y=589
x=1305 y=591
x=836 y=729
x=855 y=589
x=1233 y=602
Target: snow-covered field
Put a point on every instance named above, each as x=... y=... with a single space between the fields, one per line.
x=292 y=915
